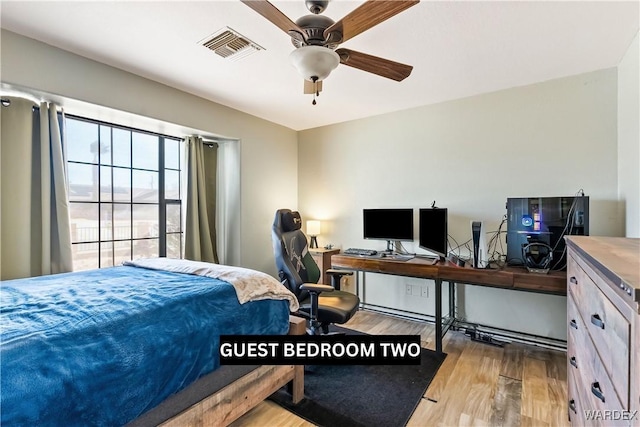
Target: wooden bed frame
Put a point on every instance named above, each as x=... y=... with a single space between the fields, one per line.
x=234 y=400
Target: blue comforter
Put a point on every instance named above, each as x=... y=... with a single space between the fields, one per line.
x=101 y=347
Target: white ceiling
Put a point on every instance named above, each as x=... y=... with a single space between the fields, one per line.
x=458 y=49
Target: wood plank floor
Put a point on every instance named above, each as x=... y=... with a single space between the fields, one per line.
x=477 y=385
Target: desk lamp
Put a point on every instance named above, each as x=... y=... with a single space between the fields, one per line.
x=313 y=229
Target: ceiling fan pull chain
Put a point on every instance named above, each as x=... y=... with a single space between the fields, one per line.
x=315 y=86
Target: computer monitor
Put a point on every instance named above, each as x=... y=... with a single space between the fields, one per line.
x=388 y=224
x=432 y=229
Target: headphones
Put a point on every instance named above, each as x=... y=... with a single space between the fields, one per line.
x=537 y=256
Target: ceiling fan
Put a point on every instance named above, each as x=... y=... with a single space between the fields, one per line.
x=316 y=38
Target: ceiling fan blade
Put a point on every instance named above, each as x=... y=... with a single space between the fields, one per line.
x=310 y=87
x=273 y=14
x=364 y=17
x=373 y=64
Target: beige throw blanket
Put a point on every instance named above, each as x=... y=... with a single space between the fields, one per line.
x=250 y=285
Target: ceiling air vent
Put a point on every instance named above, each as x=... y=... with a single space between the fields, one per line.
x=230 y=44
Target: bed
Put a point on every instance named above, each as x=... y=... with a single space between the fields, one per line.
x=111 y=346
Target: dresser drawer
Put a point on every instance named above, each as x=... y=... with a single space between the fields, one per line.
x=607 y=328
x=593 y=384
x=583 y=412
x=576 y=413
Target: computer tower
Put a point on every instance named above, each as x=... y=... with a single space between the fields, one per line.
x=545 y=220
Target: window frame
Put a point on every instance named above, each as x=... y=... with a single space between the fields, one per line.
x=162 y=202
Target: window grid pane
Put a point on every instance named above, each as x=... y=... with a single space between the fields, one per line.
x=174 y=245
x=105 y=145
x=171 y=154
x=172 y=185
x=106 y=189
x=82 y=141
x=145 y=221
x=83 y=182
x=85 y=256
x=145 y=186
x=106 y=254
x=146 y=248
x=115 y=199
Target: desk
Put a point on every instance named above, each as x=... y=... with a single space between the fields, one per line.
x=513 y=278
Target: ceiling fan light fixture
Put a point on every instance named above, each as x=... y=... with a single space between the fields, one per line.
x=314 y=63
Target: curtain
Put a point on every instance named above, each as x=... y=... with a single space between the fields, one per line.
x=34 y=227
x=199 y=230
x=15 y=182
x=228 y=209
x=54 y=209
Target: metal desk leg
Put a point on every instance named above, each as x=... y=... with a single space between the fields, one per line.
x=452 y=300
x=358 y=293
x=438 y=315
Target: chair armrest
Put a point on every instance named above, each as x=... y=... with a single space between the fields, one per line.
x=316 y=287
x=336 y=276
x=340 y=273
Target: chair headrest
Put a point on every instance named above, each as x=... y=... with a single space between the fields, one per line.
x=291 y=221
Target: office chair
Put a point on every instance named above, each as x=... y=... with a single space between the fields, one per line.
x=321 y=304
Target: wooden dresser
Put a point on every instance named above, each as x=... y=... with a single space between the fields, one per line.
x=322 y=257
x=603 y=338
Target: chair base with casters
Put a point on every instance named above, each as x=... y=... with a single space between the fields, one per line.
x=321 y=304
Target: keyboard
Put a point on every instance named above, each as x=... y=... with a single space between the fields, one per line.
x=363 y=252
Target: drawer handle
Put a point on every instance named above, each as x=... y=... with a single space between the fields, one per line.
x=573 y=362
x=572 y=406
x=573 y=324
x=596 y=320
x=573 y=280
x=597 y=391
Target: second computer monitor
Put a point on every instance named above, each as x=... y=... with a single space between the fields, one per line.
x=433 y=230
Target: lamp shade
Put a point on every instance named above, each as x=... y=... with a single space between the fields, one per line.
x=314 y=62
x=313 y=227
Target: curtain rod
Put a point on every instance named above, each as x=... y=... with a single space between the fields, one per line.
x=5 y=99
x=208 y=141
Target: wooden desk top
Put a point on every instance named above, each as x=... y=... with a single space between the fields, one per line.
x=555 y=282
x=323 y=250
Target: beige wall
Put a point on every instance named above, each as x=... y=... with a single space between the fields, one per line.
x=268 y=156
x=629 y=137
x=469 y=155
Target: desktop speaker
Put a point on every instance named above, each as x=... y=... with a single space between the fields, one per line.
x=480 y=256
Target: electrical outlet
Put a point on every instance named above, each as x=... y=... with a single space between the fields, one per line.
x=409 y=288
x=425 y=292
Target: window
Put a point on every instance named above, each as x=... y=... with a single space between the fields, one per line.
x=124 y=193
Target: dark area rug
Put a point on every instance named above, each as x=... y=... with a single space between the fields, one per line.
x=361 y=395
